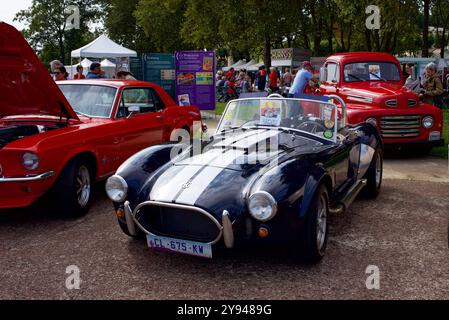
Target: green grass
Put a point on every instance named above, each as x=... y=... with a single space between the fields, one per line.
x=220 y=108
x=443 y=151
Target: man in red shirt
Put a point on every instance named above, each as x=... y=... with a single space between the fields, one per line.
x=230 y=73
x=273 y=80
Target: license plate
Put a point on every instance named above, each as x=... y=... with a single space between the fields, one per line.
x=180 y=246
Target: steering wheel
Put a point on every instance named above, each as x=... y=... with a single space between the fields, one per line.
x=311 y=126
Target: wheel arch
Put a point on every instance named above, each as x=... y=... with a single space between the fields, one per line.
x=313 y=183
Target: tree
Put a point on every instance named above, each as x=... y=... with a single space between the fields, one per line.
x=440 y=19
x=122 y=27
x=162 y=22
x=47 y=25
x=425 y=29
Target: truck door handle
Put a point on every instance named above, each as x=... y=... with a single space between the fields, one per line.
x=160 y=117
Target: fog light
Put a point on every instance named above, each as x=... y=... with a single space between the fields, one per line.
x=263 y=232
x=120 y=213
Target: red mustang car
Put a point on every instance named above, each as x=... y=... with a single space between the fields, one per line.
x=62 y=140
x=371 y=83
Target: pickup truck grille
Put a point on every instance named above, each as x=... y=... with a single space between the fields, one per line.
x=400 y=126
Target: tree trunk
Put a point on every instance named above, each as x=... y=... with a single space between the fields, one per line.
x=443 y=43
x=267 y=52
x=425 y=31
x=61 y=50
x=368 y=45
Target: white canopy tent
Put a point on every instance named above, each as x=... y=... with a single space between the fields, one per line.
x=108 y=67
x=85 y=63
x=103 y=47
x=246 y=65
x=254 y=67
x=235 y=65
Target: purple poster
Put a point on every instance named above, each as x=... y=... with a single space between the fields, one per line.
x=195 y=74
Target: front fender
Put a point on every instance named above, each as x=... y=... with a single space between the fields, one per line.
x=142 y=166
x=316 y=177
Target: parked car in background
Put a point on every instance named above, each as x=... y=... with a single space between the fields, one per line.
x=273 y=172
x=371 y=84
x=63 y=139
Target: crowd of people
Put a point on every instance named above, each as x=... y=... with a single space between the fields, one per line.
x=59 y=72
x=292 y=83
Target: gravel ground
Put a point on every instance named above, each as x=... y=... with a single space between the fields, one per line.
x=404 y=233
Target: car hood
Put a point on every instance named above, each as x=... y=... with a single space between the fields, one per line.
x=221 y=176
x=25 y=85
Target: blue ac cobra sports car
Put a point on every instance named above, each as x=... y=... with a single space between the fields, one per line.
x=273 y=172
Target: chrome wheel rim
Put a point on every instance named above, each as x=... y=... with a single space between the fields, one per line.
x=83 y=186
x=378 y=171
x=321 y=223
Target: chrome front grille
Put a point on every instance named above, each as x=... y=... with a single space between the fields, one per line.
x=178 y=221
x=400 y=126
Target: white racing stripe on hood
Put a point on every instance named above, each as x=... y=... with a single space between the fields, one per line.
x=170 y=183
x=191 y=194
x=227 y=142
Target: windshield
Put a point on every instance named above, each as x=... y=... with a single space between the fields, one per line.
x=90 y=100
x=371 y=71
x=314 y=117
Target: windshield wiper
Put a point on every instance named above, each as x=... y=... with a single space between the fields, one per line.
x=355 y=77
x=380 y=78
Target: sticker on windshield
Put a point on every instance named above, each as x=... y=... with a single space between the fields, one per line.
x=270 y=112
x=328 y=134
x=374 y=72
x=329 y=124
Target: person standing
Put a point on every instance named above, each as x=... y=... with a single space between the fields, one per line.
x=61 y=74
x=79 y=73
x=261 y=79
x=433 y=88
x=273 y=80
x=55 y=65
x=302 y=78
x=230 y=73
x=95 y=71
x=287 y=78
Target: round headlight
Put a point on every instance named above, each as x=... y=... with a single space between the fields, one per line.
x=427 y=122
x=262 y=206
x=372 y=120
x=30 y=161
x=116 y=188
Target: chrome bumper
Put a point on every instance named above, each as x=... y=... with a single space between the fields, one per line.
x=42 y=176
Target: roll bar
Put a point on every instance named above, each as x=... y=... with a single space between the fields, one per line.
x=343 y=108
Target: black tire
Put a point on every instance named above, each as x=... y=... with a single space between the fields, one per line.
x=373 y=176
x=74 y=187
x=312 y=245
x=140 y=234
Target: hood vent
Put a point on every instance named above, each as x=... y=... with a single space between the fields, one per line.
x=412 y=102
x=392 y=103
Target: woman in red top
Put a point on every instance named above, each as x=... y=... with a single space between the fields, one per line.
x=79 y=73
x=273 y=80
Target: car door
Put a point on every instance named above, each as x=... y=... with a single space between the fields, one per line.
x=330 y=86
x=141 y=121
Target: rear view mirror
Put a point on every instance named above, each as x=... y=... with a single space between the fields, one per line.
x=323 y=74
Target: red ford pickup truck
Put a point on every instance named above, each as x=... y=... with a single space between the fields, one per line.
x=371 y=84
